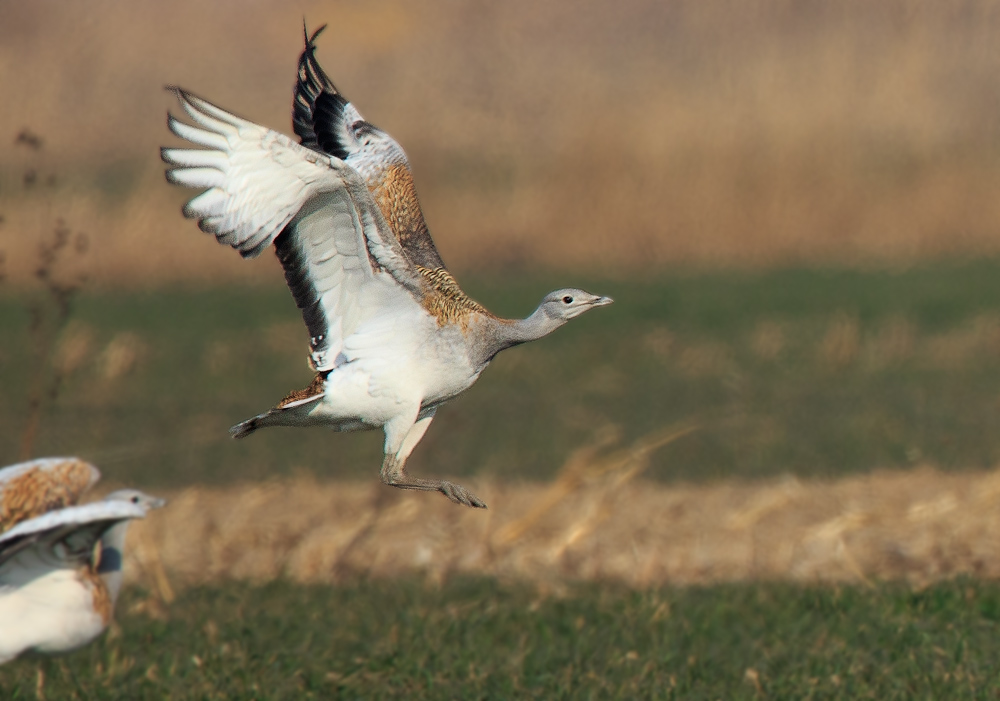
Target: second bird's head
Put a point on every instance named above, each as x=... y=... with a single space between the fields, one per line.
x=134 y=496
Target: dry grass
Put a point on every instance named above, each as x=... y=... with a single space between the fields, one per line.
x=602 y=135
x=595 y=522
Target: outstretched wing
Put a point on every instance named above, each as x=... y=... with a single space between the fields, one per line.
x=325 y=121
x=341 y=261
x=67 y=535
x=30 y=489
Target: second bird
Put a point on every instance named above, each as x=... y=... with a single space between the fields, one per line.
x=392 y=335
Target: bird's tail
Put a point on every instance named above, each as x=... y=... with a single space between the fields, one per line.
x=245 y=428
x=296 y=412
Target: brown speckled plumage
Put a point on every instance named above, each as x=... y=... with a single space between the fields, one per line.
x=103 y=604
x=396 y=196
x=447 y=303
x=315 y=387
x=43 y=489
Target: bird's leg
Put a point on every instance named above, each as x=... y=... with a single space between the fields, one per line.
x=394 y=466
x=40 y=683
x=394 y=474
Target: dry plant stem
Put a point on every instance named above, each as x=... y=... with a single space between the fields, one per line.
x=45 y=381
x=40 y=684
x=48 y=314
x=153 y=568
x=585 y=466
x=48 y=317
x=41 y=338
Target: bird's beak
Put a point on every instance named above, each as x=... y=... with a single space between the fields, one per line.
x=603 y=301
x=157 y=503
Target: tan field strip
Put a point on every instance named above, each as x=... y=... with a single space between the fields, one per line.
x=594 y=522
x=622 y=138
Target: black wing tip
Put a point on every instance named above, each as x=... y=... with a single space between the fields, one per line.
x=312 y=90
x=188 y=97
x=311 y=39
x=166 y=158
x=190 y=213
x=309 y=69
x=202 y=223
x=255 y=251
x=184 y=96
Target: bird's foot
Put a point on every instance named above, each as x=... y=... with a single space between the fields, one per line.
x=394 y=475
x=460 y=495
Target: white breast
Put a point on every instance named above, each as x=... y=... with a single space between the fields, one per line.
x=447 y=367
x=53 y=613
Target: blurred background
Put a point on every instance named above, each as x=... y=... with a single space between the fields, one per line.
x=795 y=206
x=793 y=203
x=616 y=138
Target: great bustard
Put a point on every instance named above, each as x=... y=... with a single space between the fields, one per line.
x=57 y=590
x=392 y=335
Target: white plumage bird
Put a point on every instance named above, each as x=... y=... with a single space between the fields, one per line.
x=60 y=563
x=392 y=336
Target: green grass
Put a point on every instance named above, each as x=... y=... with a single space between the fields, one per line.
x=752 y=357
x=474 y=638
x=807 y=372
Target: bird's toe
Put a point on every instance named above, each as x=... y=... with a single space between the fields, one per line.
x=460 y=495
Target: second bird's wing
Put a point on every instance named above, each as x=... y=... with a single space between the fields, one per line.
x=32 y=488
x=68 y=535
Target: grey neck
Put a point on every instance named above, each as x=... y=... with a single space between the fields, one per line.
x=507 y=334
x=110 y=568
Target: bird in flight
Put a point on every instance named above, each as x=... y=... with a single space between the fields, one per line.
x=392 y=335
x=60 y=563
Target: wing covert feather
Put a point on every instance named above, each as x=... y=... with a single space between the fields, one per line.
x=32 y=488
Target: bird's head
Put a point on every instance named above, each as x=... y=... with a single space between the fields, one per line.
x=134 y=496
x=567 y=304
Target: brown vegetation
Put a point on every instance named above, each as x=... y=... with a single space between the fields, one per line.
x=595 y=522
x=600 y=135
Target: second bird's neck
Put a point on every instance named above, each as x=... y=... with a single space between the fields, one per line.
x=110 y=567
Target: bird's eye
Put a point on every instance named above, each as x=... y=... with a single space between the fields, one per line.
x=567 y=300
x=135 y=500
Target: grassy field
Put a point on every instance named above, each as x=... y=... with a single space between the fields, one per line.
x=476 y=638
x=640 y=145
x=811 y=373
x=816 y=373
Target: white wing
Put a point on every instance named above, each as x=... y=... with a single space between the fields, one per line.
x=29 y=489
x=341 y=261
x=71 y=532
